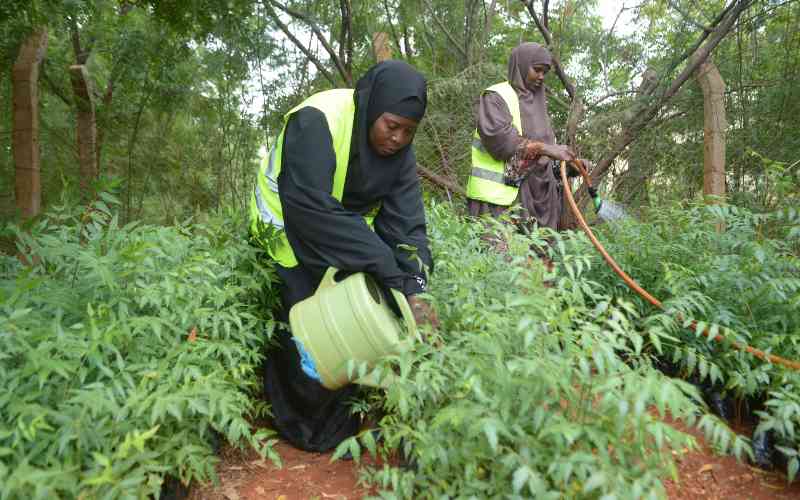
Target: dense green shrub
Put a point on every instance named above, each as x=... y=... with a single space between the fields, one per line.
x=743 y=282
x=122 y=350
x=536 y=392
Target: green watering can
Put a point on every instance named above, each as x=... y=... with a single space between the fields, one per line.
x=350 y=320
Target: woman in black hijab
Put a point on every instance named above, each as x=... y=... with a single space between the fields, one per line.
x=390 y=100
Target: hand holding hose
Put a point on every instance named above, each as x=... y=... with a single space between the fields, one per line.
x=558 y=152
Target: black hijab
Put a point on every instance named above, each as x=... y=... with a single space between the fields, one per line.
x=389 y=86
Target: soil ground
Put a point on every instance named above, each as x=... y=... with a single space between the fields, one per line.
x=243 y=476
x=702 y=474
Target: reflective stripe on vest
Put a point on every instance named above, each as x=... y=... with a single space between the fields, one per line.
x=486 y=180
x=489 y=175
x=266 y=213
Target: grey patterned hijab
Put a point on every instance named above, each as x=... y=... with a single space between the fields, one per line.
x=532 y=102
x=539 y=194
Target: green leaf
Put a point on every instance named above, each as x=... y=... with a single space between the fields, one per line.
x=490 y=429
x=520 y=477
x=794 y=465
x=595 y=481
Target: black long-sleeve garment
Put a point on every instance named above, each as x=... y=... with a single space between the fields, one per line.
x=325 y=232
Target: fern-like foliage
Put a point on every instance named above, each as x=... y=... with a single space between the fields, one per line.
x=122 y=349
x=742 y=282
x=535 y=392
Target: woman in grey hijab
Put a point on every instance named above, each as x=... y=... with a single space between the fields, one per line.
x=527 y=156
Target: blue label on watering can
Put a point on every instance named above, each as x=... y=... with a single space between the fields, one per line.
x=306 y=362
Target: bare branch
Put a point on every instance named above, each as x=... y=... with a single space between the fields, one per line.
x=406 y=43
x=53 y=86
x=558 y=100
x=346 y=40
x=311 y=57
x=640 y=119
x=687 y=17
x=439 y=180
x=576 y=114
x=392 y=30
x=340 y=65
x=489 y=17
x=686 y=54
x=447 y=33
x=546 y=14
x=599 y=100
x=542 y=28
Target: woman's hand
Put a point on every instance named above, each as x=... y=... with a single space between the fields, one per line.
x=532 y=149
x=424 y=313
x=558 y=152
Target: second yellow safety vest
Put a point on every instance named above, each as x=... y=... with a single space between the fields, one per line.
x=486 y=178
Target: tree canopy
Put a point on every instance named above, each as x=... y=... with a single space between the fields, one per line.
x=186 y=93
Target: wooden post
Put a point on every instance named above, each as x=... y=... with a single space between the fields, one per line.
x=714 y=131
x=86 y=129
x=381 y=47
x=25 y=138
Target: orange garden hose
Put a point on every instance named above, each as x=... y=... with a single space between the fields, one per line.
x=794 y=365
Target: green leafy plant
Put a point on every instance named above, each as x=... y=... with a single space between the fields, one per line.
x=743 y=283
x=123 y=350
x=536 y=392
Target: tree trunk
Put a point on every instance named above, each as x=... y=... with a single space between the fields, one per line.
x=25 y=142
x=714 y=130
x=86 y=129
x=381 y=47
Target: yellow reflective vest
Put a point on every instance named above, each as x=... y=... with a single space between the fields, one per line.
x=266 y=213
x=486 y=179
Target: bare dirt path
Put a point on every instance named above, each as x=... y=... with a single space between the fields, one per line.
x=304 y=476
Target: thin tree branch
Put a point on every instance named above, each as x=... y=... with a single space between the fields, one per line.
x=407 y=44
x=489 y=16
x=686 y=54
x=340 y=65
x=439 y=180
x=558 y=100
x=686 y=17
x=633 y=127
x=346 y=40
x=53 y=86
x=447 y=33
x=546 y=14
x=610 y=95
x=542 y=28
x=311 y=57
x=392 y=30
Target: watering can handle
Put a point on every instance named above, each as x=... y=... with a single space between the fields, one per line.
x=328 y=279
x=405 y=309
